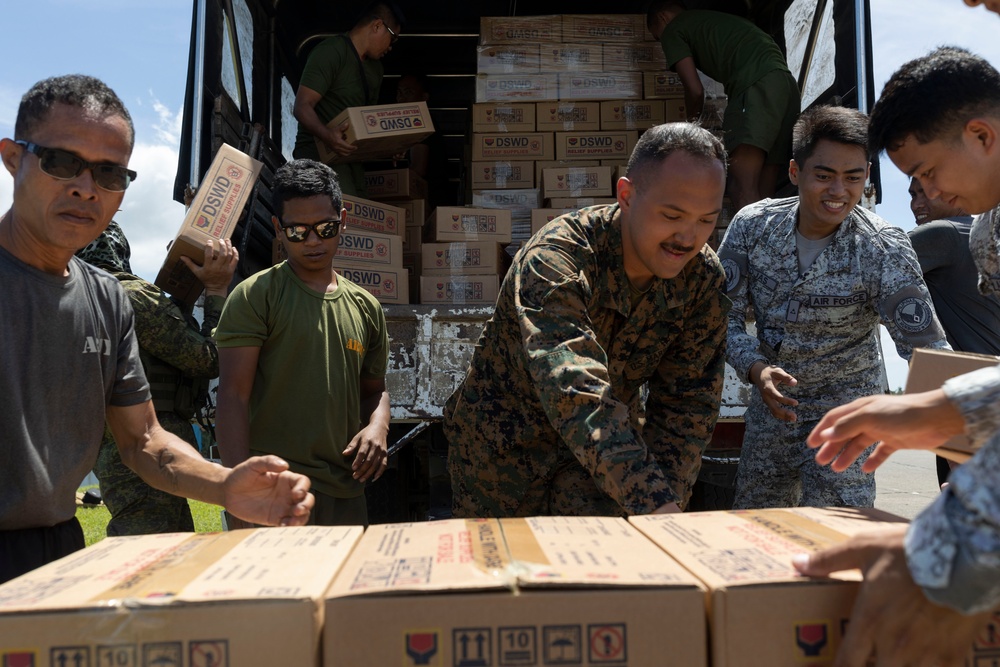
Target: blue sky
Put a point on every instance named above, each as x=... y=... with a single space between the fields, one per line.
x=140 y=49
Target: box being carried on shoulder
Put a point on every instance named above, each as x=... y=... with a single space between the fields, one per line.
x=929 y=370
x=213 y=215
x=536 y=591
x=178 y=599
x=379 y=131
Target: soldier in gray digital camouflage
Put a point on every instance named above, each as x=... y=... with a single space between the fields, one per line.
x=179 y=357
x=820 y=274
x=550 y=419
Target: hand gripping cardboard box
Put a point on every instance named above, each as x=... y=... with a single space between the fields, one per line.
x=535 y=591
x=379 y=131
x=213 y=215
x=465 y=257
x=578 y=182
x=373 y=216
x=929 y=370
x=250 y=597
x=463 y=223
x=388 y=284
x=761 y=612
x=610 y=145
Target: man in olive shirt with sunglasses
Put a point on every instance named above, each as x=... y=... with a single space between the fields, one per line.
x=303 y=354
x=70 y=359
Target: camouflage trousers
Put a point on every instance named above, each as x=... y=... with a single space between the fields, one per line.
x=137 y=508
x=777 y=469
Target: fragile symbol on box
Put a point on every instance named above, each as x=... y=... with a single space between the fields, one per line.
x=422 y=647
x=813 y=640
x=472 y=647
x=18 y=659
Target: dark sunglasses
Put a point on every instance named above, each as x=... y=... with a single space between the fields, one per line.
x=298 y=232
x=63 y=165
x=394 y=36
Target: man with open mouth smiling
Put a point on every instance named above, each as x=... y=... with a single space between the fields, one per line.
x=821 y=273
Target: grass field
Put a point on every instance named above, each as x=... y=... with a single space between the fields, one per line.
x=94 y=519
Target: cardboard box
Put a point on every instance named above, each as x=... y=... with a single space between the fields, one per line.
x=675 y=110
x=363 y=247
x=507 y=59
x=502 y=174
x=460 y=223
x=499 y=117
x=658 y=85
x=177 y=599
x=634 y=57
x=601 y=28
x=576 y=203
x=392 y=184
x=632 y=114
x=582 y=116
x=578 y=182
x=570 y=57
x=379 y=131
x=610 y=145
x=516 y=87
x=600 y=86
x=388 y=284
x=519 y=202
x=929 y=370
x=760 y=611
x=511 y=146
x=214 y=212
x=542 y=165
x=520 y=29
x=464 y=257
x=459 y=289
x=414 y=211
x=538 y=591
x=543 y=216
x=373 y=216
x=412 y=239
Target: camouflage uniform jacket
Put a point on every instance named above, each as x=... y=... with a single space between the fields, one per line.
x=560 y=365
x=953 y=547
x=822 y=327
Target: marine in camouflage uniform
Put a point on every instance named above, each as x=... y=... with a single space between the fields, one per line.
x=550 y=419
x=179 y=358
x=821 y=328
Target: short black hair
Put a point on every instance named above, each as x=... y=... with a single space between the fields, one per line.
x=839 y=124
x=657 y=6
x=303 y=178
x=933 y=97
x=386 y=10
x=660 y=142
x=75 y=90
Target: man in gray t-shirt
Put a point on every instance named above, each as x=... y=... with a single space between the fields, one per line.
x=70 y=359
x=941 y=241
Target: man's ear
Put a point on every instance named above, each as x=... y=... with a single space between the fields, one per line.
x=793 y=172
x=626 y=190
x=277 y=225
x=983 y=132
x=11 y=154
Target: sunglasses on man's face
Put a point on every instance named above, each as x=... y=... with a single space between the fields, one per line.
x=299 y=232
x=63 y=165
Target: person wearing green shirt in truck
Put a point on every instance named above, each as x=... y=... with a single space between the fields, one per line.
x=344 y=71
x=763 y=96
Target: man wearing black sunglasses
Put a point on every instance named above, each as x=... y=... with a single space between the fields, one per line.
x=302 y=347
x=341 y=72
x=70 y=360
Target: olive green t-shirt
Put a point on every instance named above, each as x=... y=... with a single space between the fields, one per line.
x=332 y=70
x=314 y=349
x=730 y=49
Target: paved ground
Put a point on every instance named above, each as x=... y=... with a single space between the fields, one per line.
x=906 y=483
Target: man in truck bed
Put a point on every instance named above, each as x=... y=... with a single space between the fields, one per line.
x=597 y=304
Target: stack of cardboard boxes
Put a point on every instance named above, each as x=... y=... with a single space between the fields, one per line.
x=567 y=94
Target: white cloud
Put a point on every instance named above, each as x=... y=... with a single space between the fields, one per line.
x=169 y=123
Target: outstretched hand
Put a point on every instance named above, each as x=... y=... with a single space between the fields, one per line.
x=891 y=614
x=262 y=490
x=768 y=380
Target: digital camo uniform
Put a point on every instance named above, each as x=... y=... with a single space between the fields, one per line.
x=953 y=547
x=822 y=328
x=547 y=420
x=178 y=360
